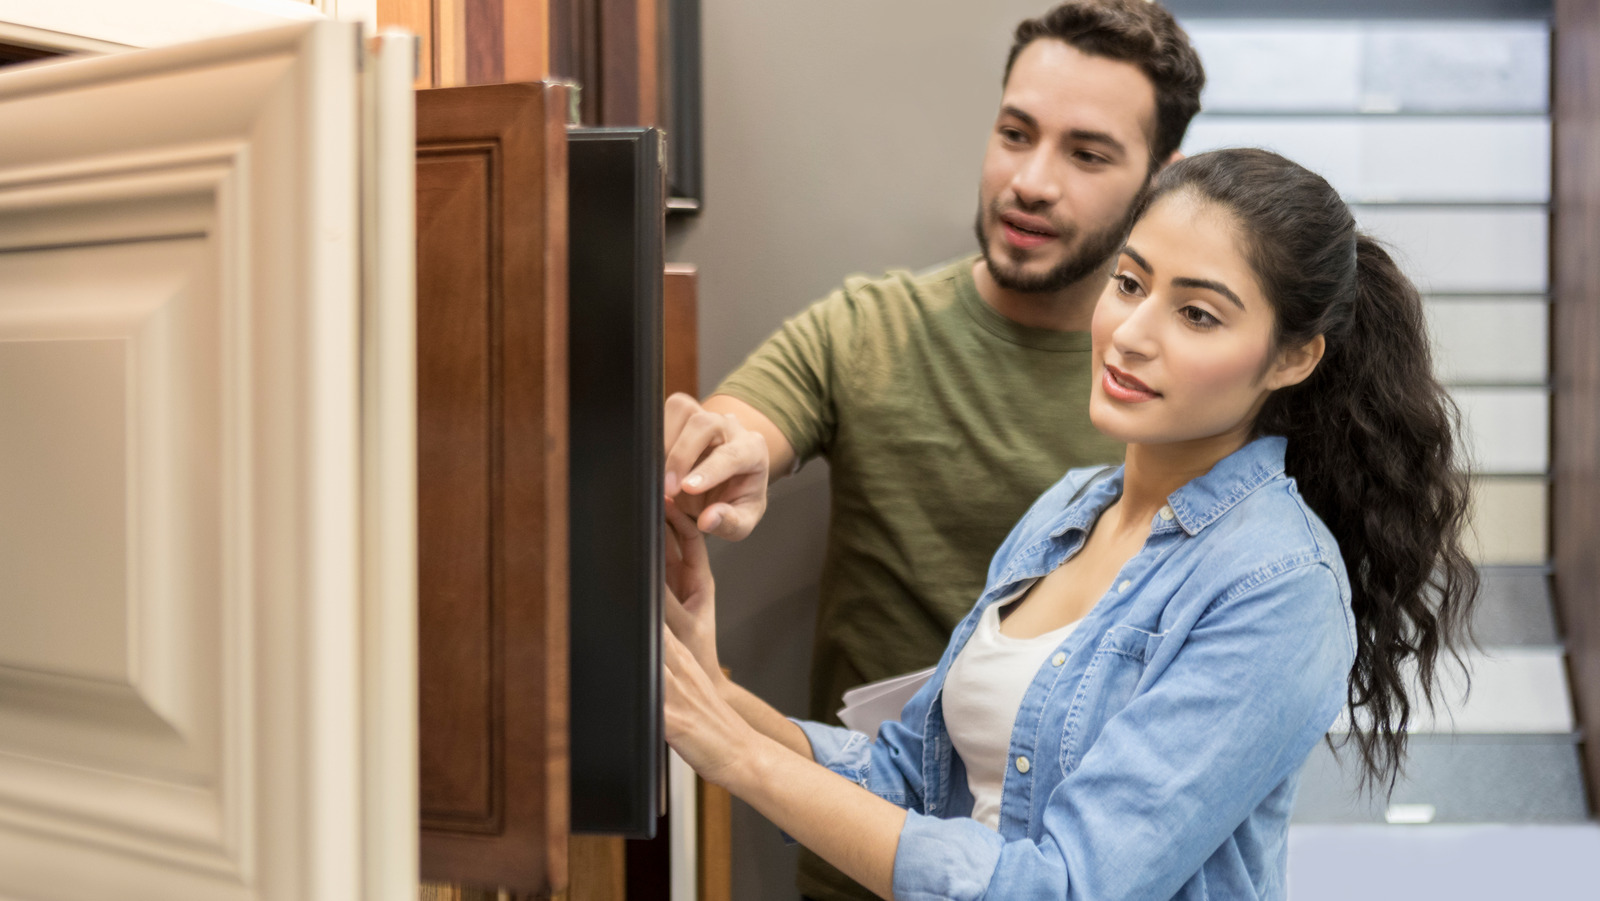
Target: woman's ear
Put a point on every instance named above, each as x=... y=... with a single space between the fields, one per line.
x=1296 y=364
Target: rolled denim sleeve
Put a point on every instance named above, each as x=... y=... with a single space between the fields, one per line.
x=1212 y=728
x=890 y=766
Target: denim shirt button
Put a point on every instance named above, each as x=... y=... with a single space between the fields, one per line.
x=1166 y=514
x=1058 y=659
x=1022 y=764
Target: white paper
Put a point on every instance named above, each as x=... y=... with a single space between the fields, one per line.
x=867 y=706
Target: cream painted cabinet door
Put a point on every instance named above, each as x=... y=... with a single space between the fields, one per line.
x=207 y=599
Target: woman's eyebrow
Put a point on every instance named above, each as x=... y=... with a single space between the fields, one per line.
x=1209 y=285
x=1128 y=251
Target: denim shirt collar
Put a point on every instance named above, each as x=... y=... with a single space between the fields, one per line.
x=1198 y=503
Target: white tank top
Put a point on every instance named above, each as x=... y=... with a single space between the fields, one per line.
x=982 y=694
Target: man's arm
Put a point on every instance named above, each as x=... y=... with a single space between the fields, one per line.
x=720 y=457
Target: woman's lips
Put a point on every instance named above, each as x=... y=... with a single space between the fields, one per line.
x=1123 y=387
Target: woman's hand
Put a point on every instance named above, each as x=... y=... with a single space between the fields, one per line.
x=705 y=731
x=691 y=592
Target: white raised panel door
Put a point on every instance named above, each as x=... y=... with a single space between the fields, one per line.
x=206 y=600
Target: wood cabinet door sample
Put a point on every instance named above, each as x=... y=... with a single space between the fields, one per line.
x=198 y=606
x=492 y=484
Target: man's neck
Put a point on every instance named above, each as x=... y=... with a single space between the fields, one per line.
x=1067 y=310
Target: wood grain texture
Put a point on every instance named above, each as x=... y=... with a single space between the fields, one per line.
x=716 y=834
x=598 y=868
x=716 y=842
x=1575 y=355
x=483 y=36
x=628 y=53
x=492 y=493
x=679 y=326
x=450 y=43
x=415 y=16
x=525 y=43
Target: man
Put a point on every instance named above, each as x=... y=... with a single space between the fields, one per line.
x=946 y=402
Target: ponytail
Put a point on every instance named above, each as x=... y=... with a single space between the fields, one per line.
x=1372 y=444
x=1373 y=438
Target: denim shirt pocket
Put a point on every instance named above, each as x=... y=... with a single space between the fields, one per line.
x=1107 y=686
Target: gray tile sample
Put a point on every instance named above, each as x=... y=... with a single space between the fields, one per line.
x=1467 y=779
x=1513 y=607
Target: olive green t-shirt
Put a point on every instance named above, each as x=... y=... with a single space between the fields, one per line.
x=942 y=421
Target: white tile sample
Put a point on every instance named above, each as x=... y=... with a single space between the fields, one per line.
x=1270 y=65
x=1495 y=339
x=1265 y=65
x=1466 y=249
x=1457 y=66
x=1382 y=159
x=1508 y=429
x=1511 y=691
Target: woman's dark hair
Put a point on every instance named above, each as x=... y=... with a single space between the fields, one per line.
x=1137 y=32
x=1372 y=436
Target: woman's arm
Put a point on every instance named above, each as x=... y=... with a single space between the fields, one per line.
x=850 y=827
x=691 y=616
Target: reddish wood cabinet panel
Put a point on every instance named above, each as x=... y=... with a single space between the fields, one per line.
x=492 y=485
x=679 y=326
x=1576 y=359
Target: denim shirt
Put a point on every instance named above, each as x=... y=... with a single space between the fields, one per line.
x=1157 y=753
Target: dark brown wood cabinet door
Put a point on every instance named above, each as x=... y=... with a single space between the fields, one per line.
x=492 y=485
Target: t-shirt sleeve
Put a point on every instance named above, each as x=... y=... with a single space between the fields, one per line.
x=791 y=377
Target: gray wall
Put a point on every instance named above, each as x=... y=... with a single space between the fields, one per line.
x=841 y=136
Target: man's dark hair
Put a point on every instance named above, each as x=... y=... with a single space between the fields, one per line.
x=1137 y=32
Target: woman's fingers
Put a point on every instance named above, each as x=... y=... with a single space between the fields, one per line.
x=679 y=621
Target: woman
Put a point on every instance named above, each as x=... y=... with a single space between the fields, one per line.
x=1125 y=712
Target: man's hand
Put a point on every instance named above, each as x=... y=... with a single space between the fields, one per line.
x=717 y=469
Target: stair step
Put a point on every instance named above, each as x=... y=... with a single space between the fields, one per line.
x=1514 y=607
x=1518 y=690
x=1462 y=778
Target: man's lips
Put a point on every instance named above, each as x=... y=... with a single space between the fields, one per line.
x=1121 y=386
x=1026 y=232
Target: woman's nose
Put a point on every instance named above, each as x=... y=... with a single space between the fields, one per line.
x=1136 y=335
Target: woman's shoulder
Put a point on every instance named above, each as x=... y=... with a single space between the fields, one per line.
x=1273 y=540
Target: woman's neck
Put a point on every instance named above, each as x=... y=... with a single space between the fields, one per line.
x=1152 y=472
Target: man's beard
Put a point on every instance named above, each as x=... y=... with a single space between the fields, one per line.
x=1092 y=252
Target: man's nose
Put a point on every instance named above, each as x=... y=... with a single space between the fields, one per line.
x=1037 y=180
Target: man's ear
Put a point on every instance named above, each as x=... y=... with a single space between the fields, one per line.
x=1295 y=365
x=1176 y=155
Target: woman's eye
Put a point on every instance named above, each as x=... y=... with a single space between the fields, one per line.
x=1126 y=284
x=1199 y=318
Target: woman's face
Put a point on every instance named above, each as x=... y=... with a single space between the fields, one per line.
x=1183 y=332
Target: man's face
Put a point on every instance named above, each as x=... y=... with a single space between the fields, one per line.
x=1069 y=155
